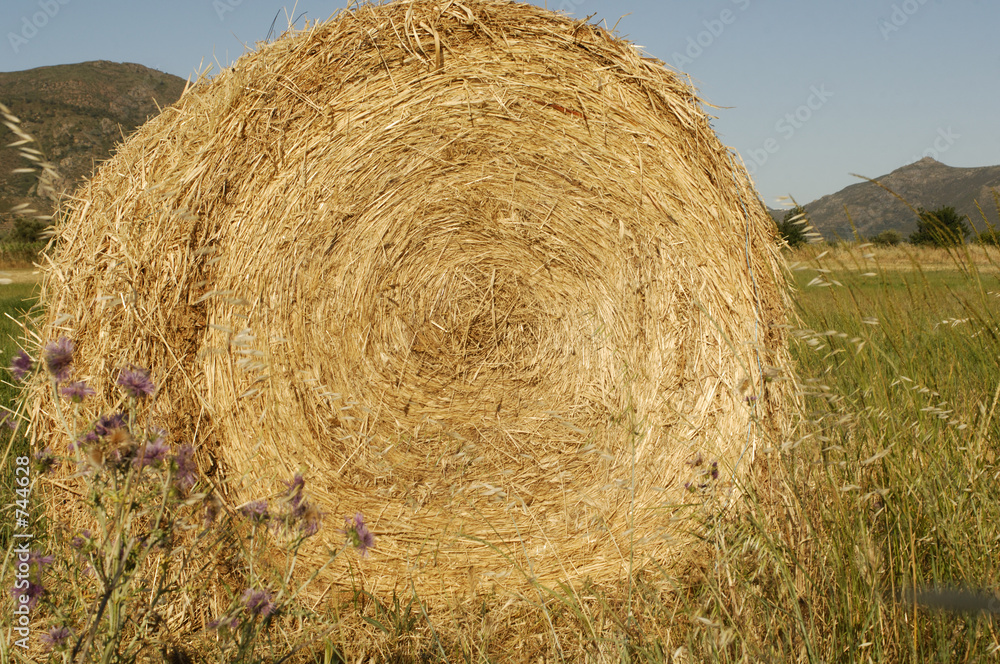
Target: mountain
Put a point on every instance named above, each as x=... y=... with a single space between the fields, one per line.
x=77 y=113
x=926 y=183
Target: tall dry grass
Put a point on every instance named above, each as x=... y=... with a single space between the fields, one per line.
x=854 y=256
x=868 y=535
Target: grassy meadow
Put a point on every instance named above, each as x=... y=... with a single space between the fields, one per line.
x=870 y=534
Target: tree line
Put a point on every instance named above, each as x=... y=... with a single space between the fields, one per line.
x=942 y=227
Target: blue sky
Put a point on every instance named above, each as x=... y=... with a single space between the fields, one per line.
x=809 y=90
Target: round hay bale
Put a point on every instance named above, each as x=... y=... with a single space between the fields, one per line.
x=481 y=272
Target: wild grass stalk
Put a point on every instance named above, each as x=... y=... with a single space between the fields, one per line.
x=888 y=486
x=160 y=553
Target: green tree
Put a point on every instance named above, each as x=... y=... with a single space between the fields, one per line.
x=792 y=228
x=27 y=230
x=990 y=237
x=940 y=228
x=888 y=238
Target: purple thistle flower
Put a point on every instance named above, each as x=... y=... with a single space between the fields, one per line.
x=295 y=484
x=103 y=427
x=358 y=534
x=225 y=622
x=38 y=561
x=186 y=468
x=296 y=504
x=106 y=426
x=79 y=541
x=44 y=460
x=154 y=453
x=59 y=358
x=294 y=493
x=292 y=514
x=121 y=448
x=312 y=518
x=56 y=637
x=76 y=392
x=255 y=511
x=258 y=602
x=108 y=423
x=33 y=592
x=136 y=382
x=21 y=365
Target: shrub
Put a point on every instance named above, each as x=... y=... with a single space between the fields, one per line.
x=20 y=254
x=940 y=228
x=889 y=238
x=989 y=238
x=27 y=230
x=793 y=227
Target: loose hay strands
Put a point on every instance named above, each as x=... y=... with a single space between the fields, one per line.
x=481 y=271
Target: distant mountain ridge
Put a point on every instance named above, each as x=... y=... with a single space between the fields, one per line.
x=77 y=114
x=926 y=183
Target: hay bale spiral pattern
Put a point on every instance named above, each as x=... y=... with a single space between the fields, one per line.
x=482 y=272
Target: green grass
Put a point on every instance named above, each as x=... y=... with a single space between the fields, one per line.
x=938 y=329
x=889 y=483
x=19 y=254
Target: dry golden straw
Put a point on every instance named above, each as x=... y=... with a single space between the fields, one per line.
x=481 y=272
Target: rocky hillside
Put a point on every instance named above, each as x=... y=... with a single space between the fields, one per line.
x=77 y=113
x=926 y=183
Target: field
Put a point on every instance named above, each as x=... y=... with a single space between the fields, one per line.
x=869 y=534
